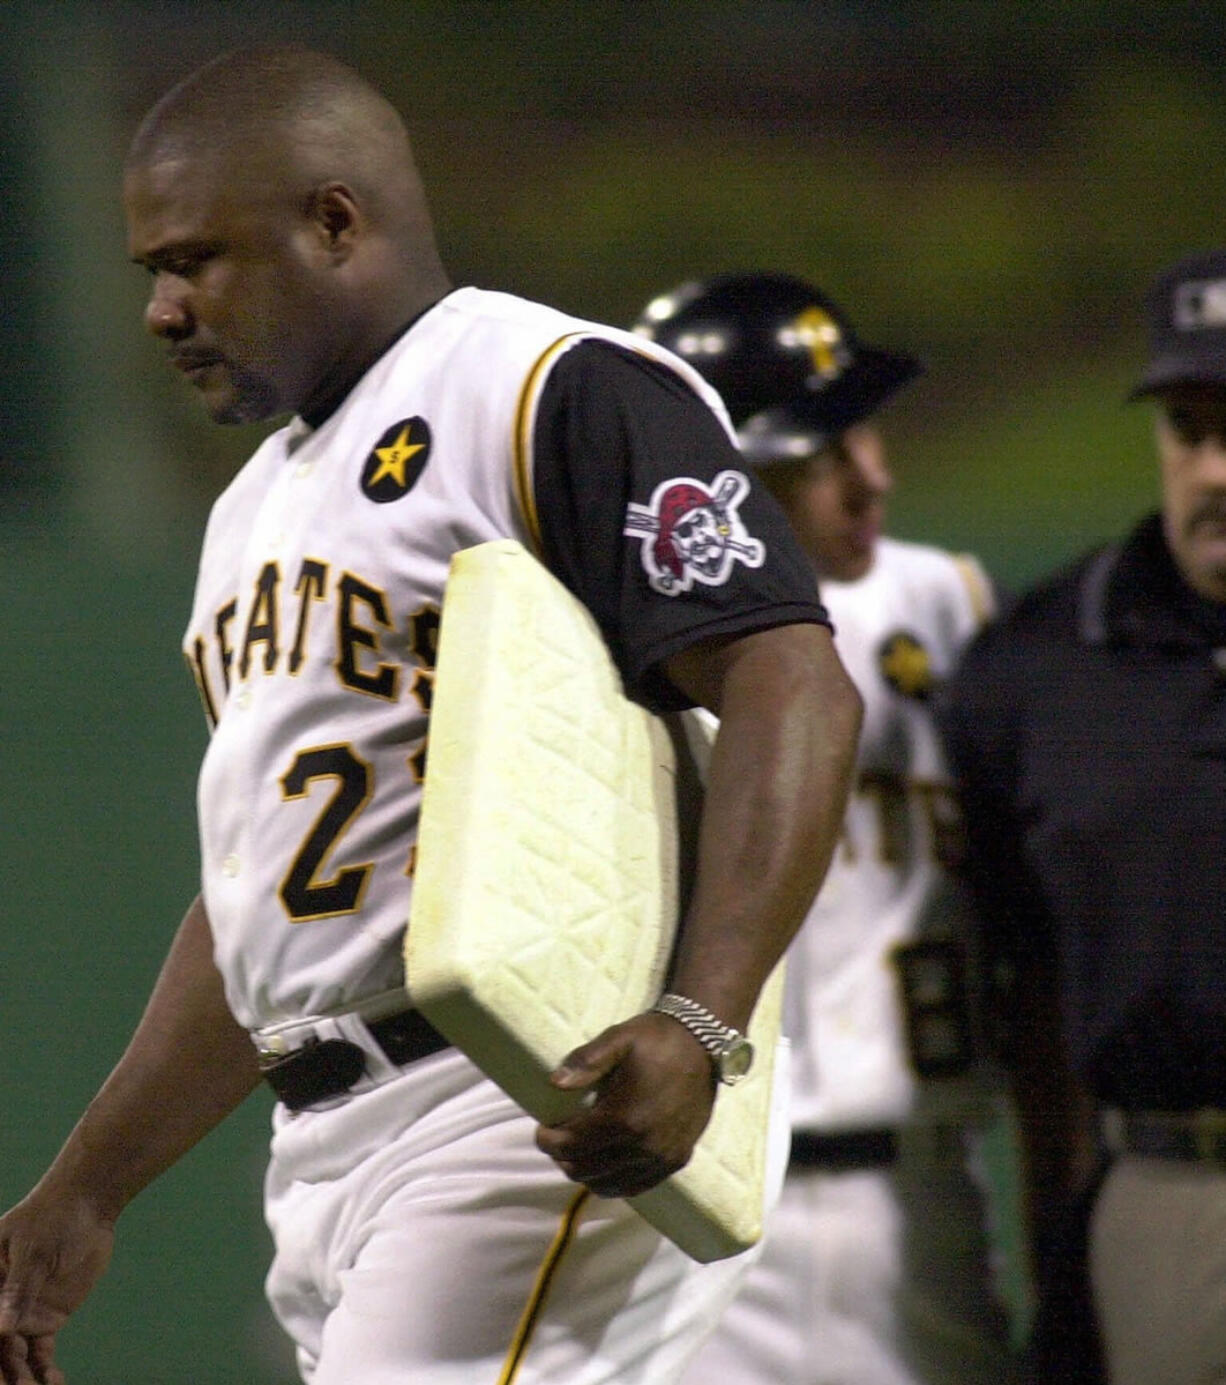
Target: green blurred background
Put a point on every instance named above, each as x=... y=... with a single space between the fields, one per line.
x=990 y=184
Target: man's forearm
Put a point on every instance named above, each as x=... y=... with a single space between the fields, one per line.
x=776 y=794
x=189 y=1065
x=1057 y=1114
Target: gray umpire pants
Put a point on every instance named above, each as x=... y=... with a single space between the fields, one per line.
x=1158 y=1266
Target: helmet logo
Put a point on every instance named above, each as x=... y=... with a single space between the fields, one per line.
x=692 y=534
x=818 y=333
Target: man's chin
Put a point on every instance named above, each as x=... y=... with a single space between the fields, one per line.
x=232 y=414
x=231 y=407
x=846 y=562
x=1209 y=572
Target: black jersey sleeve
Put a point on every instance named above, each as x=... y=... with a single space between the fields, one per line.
x=650 y=515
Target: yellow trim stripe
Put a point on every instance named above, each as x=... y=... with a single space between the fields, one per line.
x=540 y=1290
x=525 y=415
x=983 y=604
x=195 y=662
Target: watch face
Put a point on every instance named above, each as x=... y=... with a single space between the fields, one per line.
x=736 y=1061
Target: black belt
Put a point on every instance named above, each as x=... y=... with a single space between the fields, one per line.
x=843 y=1150
x=1199 y=1136
x=324 y=1068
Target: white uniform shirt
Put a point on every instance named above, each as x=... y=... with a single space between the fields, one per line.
x=313 y=631
x=899 y=630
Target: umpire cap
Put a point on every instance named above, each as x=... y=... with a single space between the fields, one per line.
x=1186 y=313
x=772 y=341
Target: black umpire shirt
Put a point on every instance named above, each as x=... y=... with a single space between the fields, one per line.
x=1088 y=731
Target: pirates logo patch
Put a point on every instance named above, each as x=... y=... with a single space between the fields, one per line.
x=396 y=461
x=905 y=665
x=693 y=534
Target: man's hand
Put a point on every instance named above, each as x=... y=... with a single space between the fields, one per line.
x=52 y=1252
x=652 y=1087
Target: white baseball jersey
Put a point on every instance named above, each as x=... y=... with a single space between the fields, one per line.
x=312 y=640
x=419 y=1232
x=899 y=630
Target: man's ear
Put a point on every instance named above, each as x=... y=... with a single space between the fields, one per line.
x=337 y=218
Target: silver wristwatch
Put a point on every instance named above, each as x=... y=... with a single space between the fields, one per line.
x=731 y=1052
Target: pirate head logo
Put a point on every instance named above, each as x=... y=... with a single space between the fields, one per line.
x=692 y=534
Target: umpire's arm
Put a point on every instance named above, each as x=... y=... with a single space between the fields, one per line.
x=776 y=791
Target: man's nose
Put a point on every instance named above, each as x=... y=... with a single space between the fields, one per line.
x=167 y=314
x=873 y=474
x=866 y=452
x=1209 y=456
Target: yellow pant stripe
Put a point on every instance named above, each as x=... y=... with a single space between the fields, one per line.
x=540 y=1290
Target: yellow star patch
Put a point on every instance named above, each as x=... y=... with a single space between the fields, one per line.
x=394 y=458
x=392 y=467
x=905 y=665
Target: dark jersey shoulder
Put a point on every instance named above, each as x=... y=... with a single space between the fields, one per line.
x=650 y=515
x=1042 y=611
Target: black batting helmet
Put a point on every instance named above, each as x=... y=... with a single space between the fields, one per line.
x=772 y=341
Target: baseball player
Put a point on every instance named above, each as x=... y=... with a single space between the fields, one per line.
x=875 y=1270
x=425 y=1229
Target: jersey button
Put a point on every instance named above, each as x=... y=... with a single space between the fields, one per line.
x=304 y=469
x=229 y=867
x=243 y=700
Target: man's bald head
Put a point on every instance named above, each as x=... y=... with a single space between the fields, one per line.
x=283 y=121
x=274 y=198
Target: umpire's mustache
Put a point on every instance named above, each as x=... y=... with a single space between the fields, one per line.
x=1211 y=510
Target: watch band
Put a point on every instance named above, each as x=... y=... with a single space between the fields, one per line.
x=718 y=1038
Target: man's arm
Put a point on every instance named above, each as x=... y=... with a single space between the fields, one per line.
x=979 y=715
x=1056 y=1113
x=779 y=779
x=776 y=792
x=1061 y=1168
x=189 y=1064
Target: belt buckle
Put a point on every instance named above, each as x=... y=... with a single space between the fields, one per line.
x=317 y=1071
x=271 y=1050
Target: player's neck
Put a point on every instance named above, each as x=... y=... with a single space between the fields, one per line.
x=333 y=394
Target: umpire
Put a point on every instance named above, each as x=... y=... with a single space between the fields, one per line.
x=1089 y=732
